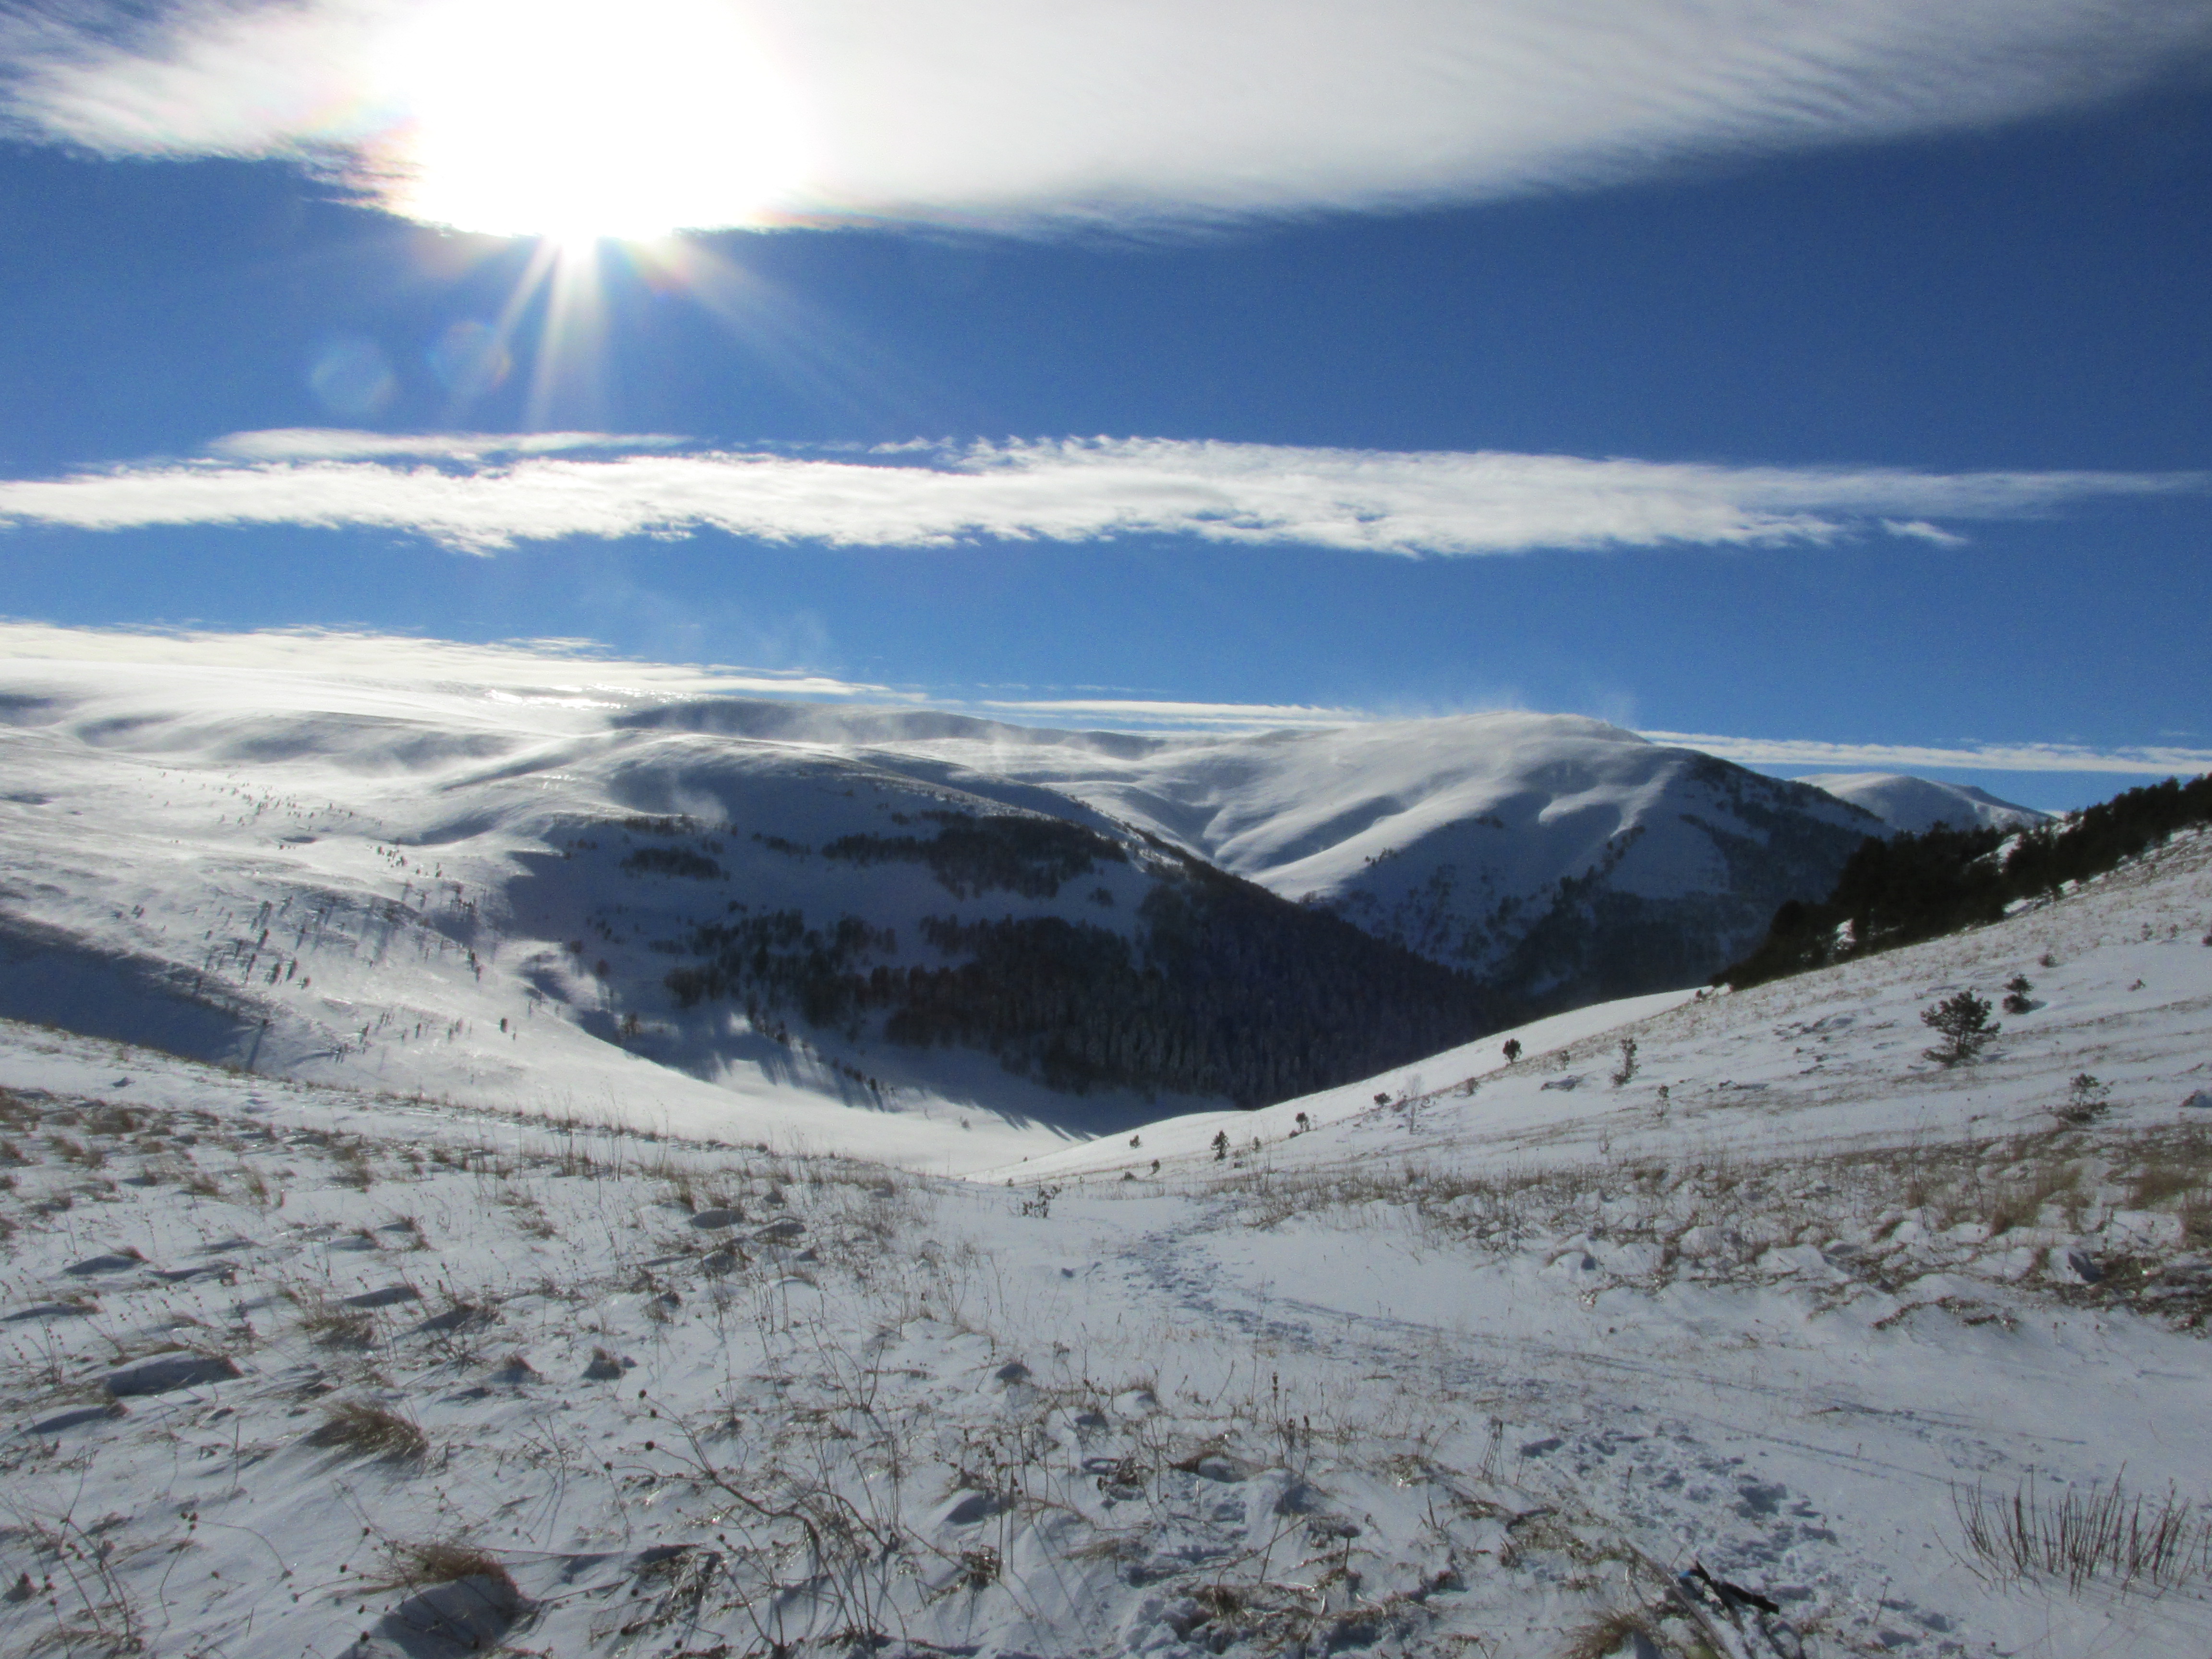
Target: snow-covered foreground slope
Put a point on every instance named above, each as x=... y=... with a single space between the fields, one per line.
x=293 y=1369
x=1912 y=804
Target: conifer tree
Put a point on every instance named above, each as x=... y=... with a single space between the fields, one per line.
x=1963 y=1022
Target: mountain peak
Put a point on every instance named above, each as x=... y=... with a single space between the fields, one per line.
x=1910 y=804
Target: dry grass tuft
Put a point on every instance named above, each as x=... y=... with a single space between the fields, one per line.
x=80 y=1152
x=106 y=1118
x=199 y=1183
x=524 y=1209
x=424 y=1567
x=1611 y=1635
x=349 y=1164
x=2021 y=1203
x=371 y=1432
x=330 y=1325
x=2160 y=1182
x=259 y=1188
x=2102 y=1533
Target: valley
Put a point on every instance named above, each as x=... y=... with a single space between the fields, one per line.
x=754 y=915
x=1722 y=1324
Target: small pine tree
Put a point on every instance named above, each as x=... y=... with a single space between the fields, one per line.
x=2086 y=1099
x=1627 y=1069
x=2016 y=990
x=1963 y=1022
x=1512 y=1050
x=1220 y=1146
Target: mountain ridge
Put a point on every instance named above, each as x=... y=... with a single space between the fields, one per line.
x=479 y=891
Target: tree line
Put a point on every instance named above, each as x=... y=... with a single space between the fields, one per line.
x=1224 y=988
x=1914 y=887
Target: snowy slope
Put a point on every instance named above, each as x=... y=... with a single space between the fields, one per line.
x=436 y=885
x=385 y=885
x=1910 y=804
x=491 y=893
x=293 y=1368
x=1566 y=858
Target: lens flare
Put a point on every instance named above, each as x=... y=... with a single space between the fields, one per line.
x=352 y=377
x=470 y=359
x=583 y=120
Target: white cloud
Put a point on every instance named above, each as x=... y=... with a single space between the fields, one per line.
x=1061 y=489
x=1977 y=757
x=578 y=668
x=1009 y=114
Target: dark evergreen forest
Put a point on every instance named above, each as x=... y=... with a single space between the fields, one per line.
x=1916 y=887
x=1221 y=989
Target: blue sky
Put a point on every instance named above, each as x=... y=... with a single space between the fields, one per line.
x=1208 y=361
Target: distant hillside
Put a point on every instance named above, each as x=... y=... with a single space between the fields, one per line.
x=1908 y=804
x=459 y=889
x=1917 y=887
x=493 y=895
x=1215 y=987
x=1558 y=860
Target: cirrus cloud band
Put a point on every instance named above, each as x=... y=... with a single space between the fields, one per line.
x=481 y=494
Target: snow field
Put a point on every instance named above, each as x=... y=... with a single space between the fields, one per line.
x=360 y=1380
x=1480 y=1367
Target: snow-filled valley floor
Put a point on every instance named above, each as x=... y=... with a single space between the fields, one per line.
x=1471 y=1358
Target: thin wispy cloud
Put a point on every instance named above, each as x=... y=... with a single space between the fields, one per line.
x=630 y=116
x=584 y=672
x=1975 y=757
x=577 y=668
x=324 y=444
x=1146 y=714
x=451 y=491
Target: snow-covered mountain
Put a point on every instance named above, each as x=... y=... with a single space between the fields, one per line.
x=502 y=891
x=1910 y=804
x=1560 y=857
x=499 y=895
x=1566 y=858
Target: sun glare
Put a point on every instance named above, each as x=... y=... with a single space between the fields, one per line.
x=585 y=120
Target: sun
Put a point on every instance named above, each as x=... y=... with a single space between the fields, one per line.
x=580 y=121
